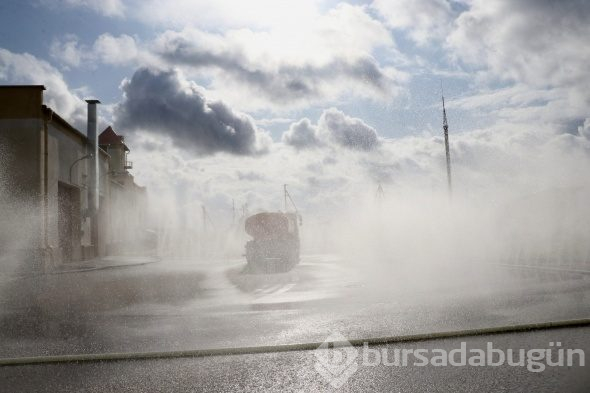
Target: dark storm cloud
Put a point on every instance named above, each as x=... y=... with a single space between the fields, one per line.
x=577 y=11
x=284 y=83
x=159 y=101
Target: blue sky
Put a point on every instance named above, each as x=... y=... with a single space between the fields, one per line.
x=346 y=93
x=33 y=27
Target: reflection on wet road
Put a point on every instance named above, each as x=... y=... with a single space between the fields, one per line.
x=175 y=305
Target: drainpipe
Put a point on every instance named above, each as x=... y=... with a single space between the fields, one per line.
x=93 y=177
x=47 y=254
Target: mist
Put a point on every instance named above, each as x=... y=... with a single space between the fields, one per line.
x=271 y=196
x=518 y=195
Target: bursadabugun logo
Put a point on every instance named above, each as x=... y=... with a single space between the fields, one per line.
x=336 y=360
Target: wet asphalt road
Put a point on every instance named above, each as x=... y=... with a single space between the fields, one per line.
x=295 y=371
x=176 y=305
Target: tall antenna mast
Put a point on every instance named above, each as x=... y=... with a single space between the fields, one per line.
x=446 y=132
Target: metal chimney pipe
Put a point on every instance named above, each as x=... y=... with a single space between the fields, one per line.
x=92 y=148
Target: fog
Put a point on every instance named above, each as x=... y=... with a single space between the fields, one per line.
x=198 y=193
x=518 y=197
x=502 y=246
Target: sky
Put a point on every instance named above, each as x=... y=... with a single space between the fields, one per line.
x=225 y=100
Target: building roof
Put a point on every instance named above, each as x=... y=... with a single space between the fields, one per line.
x=23 y=86
x=110 y=137
x=49 y=113
x=53 y=116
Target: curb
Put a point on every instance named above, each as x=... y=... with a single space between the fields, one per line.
x=111 y=265
x=565 y=269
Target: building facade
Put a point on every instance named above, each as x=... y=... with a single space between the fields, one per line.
x=127 y=200
x=45 y=164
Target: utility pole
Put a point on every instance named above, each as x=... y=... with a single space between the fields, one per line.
x=204 y=218
x=288 y=196
x=207 y=219
x=285 y=195
x=446 y=132
x=380 y=193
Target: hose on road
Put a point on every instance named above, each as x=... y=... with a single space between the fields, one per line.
x=100 y=357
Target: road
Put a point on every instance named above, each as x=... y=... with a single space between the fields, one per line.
x=177 y=305
x=295 y=372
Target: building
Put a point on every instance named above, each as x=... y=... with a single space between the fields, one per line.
x=47 y=185
x=127 y=200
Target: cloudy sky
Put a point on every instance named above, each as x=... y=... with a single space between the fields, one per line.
x=224 y=100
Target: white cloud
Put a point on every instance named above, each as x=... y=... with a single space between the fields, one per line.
x=538 y=49
x=334 y=128
x=265 y=122
x=491 y=165
x=344 y=32
x=584 y=129
x=27 y=69
x=67 y=51
x=320 y=60
x=423 y=20
x=328 y=58
x=222 y=14
x=302 y=134
x=115 y=50
x=350 y=132
x=122 y=50
x=540 y=43
x=110 y=8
